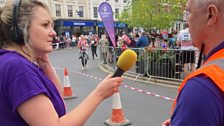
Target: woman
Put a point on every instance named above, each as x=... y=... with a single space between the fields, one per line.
x=30 y=90
x=83 y=45
x=94 y=46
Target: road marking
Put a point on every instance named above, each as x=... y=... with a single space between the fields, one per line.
x=123 y=85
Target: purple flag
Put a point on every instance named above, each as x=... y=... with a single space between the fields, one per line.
x=106 y=15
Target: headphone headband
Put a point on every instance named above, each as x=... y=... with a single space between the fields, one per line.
x=17 y=32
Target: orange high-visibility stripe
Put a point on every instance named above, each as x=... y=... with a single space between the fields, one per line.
x=213 y=71
x=217 y=55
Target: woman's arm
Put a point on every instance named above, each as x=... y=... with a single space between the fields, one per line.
x=52 y=75
x=39 y=111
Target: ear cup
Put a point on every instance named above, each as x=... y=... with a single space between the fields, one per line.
x=16 y=30
x=17 y=35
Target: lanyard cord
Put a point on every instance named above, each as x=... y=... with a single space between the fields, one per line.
x=200 y=55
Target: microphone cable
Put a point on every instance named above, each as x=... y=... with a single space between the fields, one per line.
x=200 y=56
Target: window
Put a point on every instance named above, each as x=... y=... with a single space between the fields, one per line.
x=2 y=1
x=116 y=0
x=125 y=1
x=116 y=12
x=95 y=12
x=125 y=8
x=81 y=11
x=70 y=11
x=58 y=10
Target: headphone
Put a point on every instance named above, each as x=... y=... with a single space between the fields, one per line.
x=16 y=31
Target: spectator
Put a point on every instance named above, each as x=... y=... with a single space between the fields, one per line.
x=187 y=48
x=125 y=38
x=124 y=46
x=171 y=41
x=142 y=41
x=110 y=50
x=103 y=42
x=74 y=40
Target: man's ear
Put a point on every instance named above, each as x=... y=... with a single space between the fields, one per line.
x=209 y=16
x=213 y=13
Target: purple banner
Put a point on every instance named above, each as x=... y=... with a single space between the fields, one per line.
x=106 y=15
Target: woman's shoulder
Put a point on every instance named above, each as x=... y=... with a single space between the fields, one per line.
x=12 y=61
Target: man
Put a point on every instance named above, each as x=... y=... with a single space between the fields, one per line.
x=103 y=42
x=187 y=48
x=142 y=41
x=200 y=101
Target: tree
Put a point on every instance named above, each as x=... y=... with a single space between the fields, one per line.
x=150 y=14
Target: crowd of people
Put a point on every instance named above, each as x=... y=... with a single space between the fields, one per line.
x=124 y=40
x=175 y=40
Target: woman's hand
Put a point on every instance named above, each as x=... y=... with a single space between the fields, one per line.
x=46 y=67
x=108 y=86
x=43 y=61
x=49 y=71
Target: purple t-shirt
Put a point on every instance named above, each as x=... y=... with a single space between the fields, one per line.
x=20 y=80
x=200 y=102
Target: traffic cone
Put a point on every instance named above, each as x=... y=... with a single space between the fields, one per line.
x=117 y=118
x=68 y=94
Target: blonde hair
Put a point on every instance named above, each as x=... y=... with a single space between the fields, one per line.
x=24 y=19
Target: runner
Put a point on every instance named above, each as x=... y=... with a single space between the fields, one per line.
x=83 y=45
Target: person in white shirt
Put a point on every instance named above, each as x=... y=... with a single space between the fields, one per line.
x=187 y=48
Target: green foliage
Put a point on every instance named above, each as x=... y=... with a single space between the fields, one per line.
x=152 y=13
x=161 y=55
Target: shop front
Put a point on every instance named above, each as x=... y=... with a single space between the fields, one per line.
x=68 y=27
x=119 y=28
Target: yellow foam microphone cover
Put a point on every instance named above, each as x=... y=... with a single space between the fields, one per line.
x=127 y=59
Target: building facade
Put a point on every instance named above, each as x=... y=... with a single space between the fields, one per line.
x=2 y=2
x=81 y=16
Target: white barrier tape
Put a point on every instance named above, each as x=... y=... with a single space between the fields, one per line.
x=123 y=85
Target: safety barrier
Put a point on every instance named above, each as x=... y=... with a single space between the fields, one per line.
x=154 y=63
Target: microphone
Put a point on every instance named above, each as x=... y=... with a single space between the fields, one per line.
x=125 y=61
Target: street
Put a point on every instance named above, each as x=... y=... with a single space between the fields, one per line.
x=143 y=104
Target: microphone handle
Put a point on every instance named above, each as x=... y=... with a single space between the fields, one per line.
x=119 y=72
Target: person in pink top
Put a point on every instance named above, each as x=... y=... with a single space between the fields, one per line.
x=83 y=45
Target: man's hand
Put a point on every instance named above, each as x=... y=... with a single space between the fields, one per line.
x=166 y=123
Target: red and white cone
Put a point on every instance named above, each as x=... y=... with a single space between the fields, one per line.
x=117 y=118
x=68 y=94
